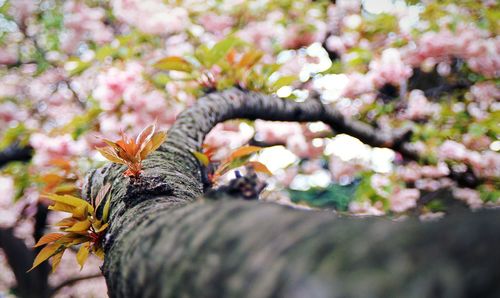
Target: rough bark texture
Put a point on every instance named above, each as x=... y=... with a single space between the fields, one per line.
x=164 y=241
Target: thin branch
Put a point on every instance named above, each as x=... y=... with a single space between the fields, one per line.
x=72 y=281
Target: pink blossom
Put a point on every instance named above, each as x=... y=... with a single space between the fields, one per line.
x=10 y=113
x=297 y=36
x=48 y=148
x=263 y=34
x=441 y=170
x=470 y=196
x=467 y=42
x=418 y=107
x=349 y=6
x=380 y=183
x=486 y=164
x=389 y=69
x=151 y=16
x=358 y=84
x=303 y=148
x=485 y=93
x=217 y=24
x=178 y=45
x=226 y=137
x=82 y=23
x=410 y=172
x=474 y=142
x=365 y=208
x=7 y=189
x=344 y=172
x=431 y=216
x=276 y=132
x=114 y=83
x=8 y=55
x=404 y=199
x=22 y=9
x=335 y=44
x=452 y=150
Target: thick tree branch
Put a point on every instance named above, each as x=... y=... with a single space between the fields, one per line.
x=20 y=258
x=15 y=153
x=166 y=242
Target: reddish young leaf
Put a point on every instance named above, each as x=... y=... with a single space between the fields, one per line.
x=48 y=238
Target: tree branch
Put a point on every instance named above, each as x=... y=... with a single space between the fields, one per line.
x=164 y=241
x=20 y=258
x=15 y=153
x=71 y=281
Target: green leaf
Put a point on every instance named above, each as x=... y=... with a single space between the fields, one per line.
x=174 y=63
x=283 y=81
x=221 y=49
x=202 y=158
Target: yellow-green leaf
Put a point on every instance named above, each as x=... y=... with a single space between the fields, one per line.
x=99 y=253
x=284 y=81
x=80 y=212
x=68 y=200
x=62 y=207
x=174 y=63
x=202 y=158
x=102 y=228
x=66 y=222
x=80 y=226
x=48 y=238
x=82 y=254
x=56 y=260
x=105 y=210
x=45 y=253
x=110 y=155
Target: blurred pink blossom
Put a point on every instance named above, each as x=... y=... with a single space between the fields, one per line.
x=365 y=208
x=217 y=24
x=418 y=107
x=276 y=132
x=83 y=22
x=303 y=148
x=404 y=199
x=357 y=84
x=114 y=83
x=344 y=172
x=452 y=150
x=48 y=148
x=389 y=69
x=226 y=137
x=470 y=196
x=151 y=16
x=485 y=93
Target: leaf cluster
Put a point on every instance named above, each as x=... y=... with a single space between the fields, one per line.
x=85 y=227
x=130 y=152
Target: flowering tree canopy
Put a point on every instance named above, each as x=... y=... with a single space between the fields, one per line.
x=381 y=108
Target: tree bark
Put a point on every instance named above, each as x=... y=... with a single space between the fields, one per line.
x=165 y=240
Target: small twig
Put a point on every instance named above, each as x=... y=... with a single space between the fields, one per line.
x=74 y=280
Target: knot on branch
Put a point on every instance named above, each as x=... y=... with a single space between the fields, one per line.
x=146 y=187
x=247 y=187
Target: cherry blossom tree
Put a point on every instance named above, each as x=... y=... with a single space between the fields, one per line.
x=378 y=109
